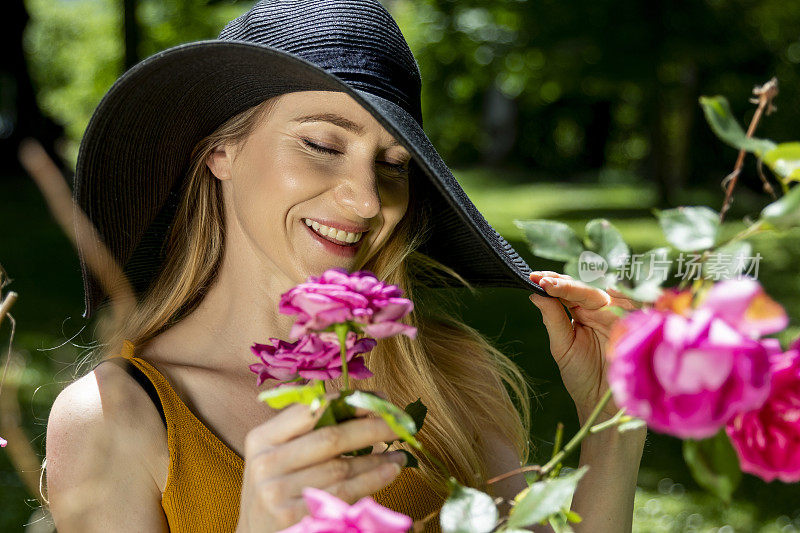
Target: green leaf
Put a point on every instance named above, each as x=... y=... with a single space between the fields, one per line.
x=550 y=239
x=727 y=261
x=417 y=411
x=690 y=228
x=591 y=268
x=784 y=161
x=571 y=267
x=544 y=498
x=607 y=241
x=713 y=464
x=784 y=213
x=646 y=292
x=720 y=118
x=467 y=510
x=280 y=397
x=400 y=421
x=653 y=267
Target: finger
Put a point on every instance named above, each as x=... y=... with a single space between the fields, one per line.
x=538 y=274
x=365 y=484
x=288 y=424
x=558 y=324
x=575 y=292
x=623 y=300
x=289 y=512
x=323 y=444
x=336 y=471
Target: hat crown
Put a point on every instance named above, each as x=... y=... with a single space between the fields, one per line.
x=357 y=41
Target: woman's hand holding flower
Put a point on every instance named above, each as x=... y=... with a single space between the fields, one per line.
x=286 y=454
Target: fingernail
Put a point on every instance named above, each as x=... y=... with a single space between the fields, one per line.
x=390 y=469
x=398 y=457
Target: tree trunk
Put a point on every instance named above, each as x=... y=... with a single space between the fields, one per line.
x=20 y=116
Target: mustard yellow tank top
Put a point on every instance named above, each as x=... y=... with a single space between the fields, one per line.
x=204 y=479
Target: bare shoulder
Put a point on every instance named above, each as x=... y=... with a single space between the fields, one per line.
x=106 y=446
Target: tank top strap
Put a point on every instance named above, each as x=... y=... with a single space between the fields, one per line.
x=180 y=420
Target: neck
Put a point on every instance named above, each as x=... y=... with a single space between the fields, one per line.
x=240 y=308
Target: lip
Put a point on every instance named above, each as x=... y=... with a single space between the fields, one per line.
x=344 y=226
x=331 y=246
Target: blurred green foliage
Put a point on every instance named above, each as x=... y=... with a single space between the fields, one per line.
x=556 y=86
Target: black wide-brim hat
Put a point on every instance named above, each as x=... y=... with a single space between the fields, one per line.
x=136 y=150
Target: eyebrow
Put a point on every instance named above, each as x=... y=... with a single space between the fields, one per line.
x=338 y=120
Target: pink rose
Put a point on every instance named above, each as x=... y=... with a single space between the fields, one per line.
x=337 y=297
x=685 y=375
x=767 y=440
x=3 y=442
x=329 y=514
x=313 y=356
x=743 y=304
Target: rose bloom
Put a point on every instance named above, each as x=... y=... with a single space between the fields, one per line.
x=337 y=297
x=767 y=440
x=685 y=375
x=743 y=304
x=313 y=356
x=329 y=514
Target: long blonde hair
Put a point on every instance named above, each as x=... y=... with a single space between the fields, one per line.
x=466 y=383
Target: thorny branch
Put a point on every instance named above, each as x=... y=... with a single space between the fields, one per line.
x=764 y=94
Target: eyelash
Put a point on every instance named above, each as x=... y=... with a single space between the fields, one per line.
x=396 y=167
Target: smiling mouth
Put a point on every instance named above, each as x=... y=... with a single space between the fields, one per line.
x=336 y=236
x=335 y=247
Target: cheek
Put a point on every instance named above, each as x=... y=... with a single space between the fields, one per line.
x=394 y=201
x=267 y=188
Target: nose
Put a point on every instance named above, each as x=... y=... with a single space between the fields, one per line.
x=359 y=192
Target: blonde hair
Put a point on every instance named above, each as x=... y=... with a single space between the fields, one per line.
x=462 y=379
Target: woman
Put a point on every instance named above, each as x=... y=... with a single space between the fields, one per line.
x=212 y=179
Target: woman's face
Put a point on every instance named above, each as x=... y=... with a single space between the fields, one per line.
x=318 y=163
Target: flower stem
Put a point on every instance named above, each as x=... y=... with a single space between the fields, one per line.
x=579 y=436
x=608 y=423
x=341 y=331
x=542 y=471
x=764 y=95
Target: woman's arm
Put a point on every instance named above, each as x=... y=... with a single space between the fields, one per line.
x=579 y=322
x=604 y=496
x=101 y=433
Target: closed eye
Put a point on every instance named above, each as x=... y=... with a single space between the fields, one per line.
x=320 y=148
x=397 y=167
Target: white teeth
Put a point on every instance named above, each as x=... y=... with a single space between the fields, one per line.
x=333 y=233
